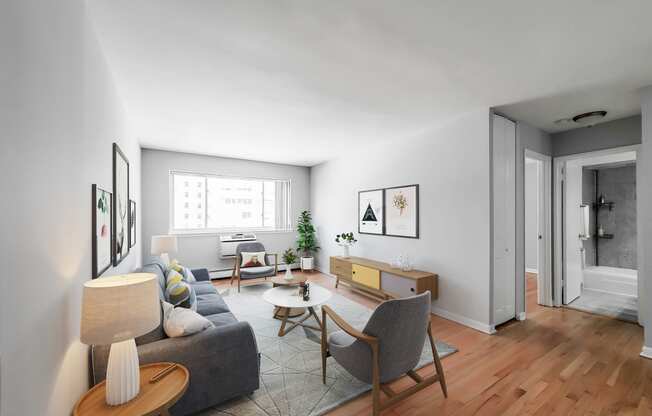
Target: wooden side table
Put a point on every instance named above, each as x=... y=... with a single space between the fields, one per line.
x=153 y=398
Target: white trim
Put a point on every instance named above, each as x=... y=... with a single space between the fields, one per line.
x=521 y=316
x=471 y=323
x=529 y=270
x=646 y=352
x=559 y=229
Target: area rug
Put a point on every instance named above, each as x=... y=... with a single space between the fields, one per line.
x=290 y=373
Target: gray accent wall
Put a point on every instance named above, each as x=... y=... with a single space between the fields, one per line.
x=202 y=250
x=618 y=185
x=59 y=114
x=617 y=133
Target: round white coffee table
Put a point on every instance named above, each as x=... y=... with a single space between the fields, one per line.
x=287 y=297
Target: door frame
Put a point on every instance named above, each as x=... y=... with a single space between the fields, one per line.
x=544 y=278
x=559 y=198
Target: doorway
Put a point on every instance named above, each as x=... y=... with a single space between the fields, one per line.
x=597 y=233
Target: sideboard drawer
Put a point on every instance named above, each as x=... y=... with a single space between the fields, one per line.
x=341 y=268
x=397 y=285
x=366 y=276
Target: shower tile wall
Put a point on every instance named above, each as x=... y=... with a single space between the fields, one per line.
x=588 y=197
x=618 y=185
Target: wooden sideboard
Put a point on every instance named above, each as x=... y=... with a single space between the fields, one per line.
x=380 y=280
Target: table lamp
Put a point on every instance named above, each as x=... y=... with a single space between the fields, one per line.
x=162 y=245
x=115 y=310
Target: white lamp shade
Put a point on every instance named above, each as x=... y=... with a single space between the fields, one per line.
x=163 y=244
x=118 y=308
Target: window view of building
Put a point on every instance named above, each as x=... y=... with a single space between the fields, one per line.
x=205 y=202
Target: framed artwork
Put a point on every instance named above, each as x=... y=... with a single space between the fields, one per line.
x=101 y=238
x=402 y=211
x=120 y=205
x=132 y=223
x=371 y=212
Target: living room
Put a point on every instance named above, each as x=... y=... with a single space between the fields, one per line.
x=225 y=208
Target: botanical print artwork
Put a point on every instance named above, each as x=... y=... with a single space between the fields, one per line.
x=121 y=205
x=402 y=216
x=132 y=224
x=371 y=212
x=101 y=231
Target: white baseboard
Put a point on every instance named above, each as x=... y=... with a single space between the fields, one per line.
x=528 y=270
x=471 y=323
x=646 y=352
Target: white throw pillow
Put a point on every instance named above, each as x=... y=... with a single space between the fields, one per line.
x=188 y=276
x=181 y=322
x=254 y=259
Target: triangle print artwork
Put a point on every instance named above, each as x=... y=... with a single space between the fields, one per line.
x=369 y=214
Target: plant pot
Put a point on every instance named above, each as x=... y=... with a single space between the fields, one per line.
x=307 y=263
x=288 y=273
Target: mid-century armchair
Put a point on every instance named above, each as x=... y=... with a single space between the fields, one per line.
x=387 y=348
x=240 y=273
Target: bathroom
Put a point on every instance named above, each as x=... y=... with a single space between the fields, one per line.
x=609 y=248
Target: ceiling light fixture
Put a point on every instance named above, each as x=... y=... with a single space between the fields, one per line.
x=590 y=118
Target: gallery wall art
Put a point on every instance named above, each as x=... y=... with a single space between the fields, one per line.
x=371 y=213
x=402 y=211
x=389 y=211
x=132 y=224
x=120 y=205
x=101 y=228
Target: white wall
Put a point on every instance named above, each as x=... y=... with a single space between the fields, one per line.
x=62 y=114
x=644 y=213
x=531 y=214
x=451 y=166
x=203 y=250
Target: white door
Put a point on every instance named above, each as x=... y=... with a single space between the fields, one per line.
x=573 y=248
x=504 y=205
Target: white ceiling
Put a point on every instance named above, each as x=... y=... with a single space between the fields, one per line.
x=303 y=81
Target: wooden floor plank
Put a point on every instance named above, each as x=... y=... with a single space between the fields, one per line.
x=558 y=361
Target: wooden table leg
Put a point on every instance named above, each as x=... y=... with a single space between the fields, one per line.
x=286 y=313
x=312 y=312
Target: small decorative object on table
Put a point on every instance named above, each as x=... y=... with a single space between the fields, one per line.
x=307 y=241
x=345 y=240
x=304 y=291
x=289 y=258
x=402 y=261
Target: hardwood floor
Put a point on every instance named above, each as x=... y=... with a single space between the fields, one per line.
x=557 y=362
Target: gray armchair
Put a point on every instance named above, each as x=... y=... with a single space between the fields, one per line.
x=388 y=347
x=242 y=273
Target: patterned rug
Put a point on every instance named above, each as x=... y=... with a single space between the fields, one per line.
x=290 y=373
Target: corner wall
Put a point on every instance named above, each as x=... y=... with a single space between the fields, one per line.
x=451 y=166
x=644 y=211
x=60 y=115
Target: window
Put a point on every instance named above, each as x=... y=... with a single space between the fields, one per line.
x=222 y=203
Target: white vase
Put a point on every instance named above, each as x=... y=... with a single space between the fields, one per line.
x=345 y=247
x=288 y=273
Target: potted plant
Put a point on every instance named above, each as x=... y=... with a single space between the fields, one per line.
x=289 y=258
x=307 y=241
x=345 y=240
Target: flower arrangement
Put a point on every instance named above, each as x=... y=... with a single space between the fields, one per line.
x=345 y=240
x=400 y=202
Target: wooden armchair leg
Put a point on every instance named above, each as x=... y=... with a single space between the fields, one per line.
x=375 y=392
x=437 y=361
x=238 y=284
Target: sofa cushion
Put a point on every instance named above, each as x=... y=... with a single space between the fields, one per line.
x=203 y=288
x=154 y=335
x=256 y=271
x=210 y=304
x=221 y=319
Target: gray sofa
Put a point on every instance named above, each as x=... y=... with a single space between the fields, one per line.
x=223 y=361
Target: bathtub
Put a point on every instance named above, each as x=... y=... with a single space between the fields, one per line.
x=611 y=280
